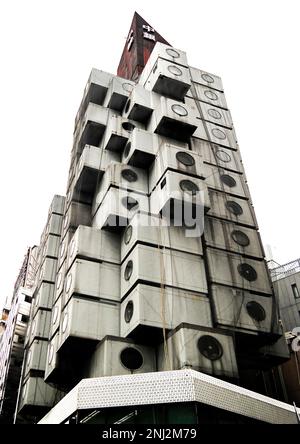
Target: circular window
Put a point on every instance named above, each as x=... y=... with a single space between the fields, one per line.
x=72 y=247
x=24 y=390
x=129 y=175
x=188 y=186
x=51 y=353
x=128 y=312
x=41 y=273
x=228 y=180
x=247 y=272
x=240 y=238
x=29 y=357
x=224 y=157
x=127 y=106
x=63 y=249
x=66 y=221
x=128 y=270
x=128 y=126
x=207 y=78
x=131 y=358
x=128 y=234
x=215 y=114
x=69 y=282
x=219 y=134
x=172 y=53
x=129 y=202
x=179 y=110
x=65 y=322
x=127 y=149
x=256 y=311
x=33 y=327
x=127 y=87
x=234 y=208
x=55 y=314
x=210 y=347
x=59 y=280
x=174 y=70
x=185 y=158
x=37 y=299
x=210 y=95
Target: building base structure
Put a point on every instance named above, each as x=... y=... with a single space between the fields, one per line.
x=171 y=397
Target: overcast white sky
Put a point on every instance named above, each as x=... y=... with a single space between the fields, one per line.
x=48 y=48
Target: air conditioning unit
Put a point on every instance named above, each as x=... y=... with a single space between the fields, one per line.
x=93 y=279
x=116 y=356
x=147 y=310
x=40 y=325
x=232 y=237
x=118 y=93
x=89 y=171
x=228 y=182
x=151 y=230
x=117 y=209
x=241 y=310
x=57 y=205
x=174 y=119
x=206 y=94
x=56 y=316
x=169 y=79
x=36 y=356
x=217 y=155
x=203 y=349
x=89 y=320
x=181 y=198
x=238 y=271
x=94 y=244
x=51 y=246
x=54 y=224
x=216 y=115
x=47 y=271
x=139 y=105
x=158 y=267
x=52 y=359
x=43 y=297
x=121 y=176
x=206 y=78
x=35 y=392
x=166 y=52
x=117 y=133
x=141 y=149
x=231 y=208
x=171 y=157
x=77 y=214
x=95 y=91
x=92 y=127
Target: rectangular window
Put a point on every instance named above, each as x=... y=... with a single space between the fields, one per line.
x=295 y=291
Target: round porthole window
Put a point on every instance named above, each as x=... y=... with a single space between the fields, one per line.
x=37 y=299
x=24 y=392
x=128 y=270
x=33 y=327
x=59 y=280
x=63 y=249
x=129 y=175
x=127 y=87
x=29 y=357
x=128 y=126
x=188 y=186
x=128 y=234
x=130 y=203
x=256 y=311
x=66 y=221
x=223 y=156
x=128 y=312
x=51 y=353
x=185 y=158
x=131 y=358
x=247 y=272
x=65 y=322
x=172 y=53
x=215 y=114
x=72 y=247
x=207 y=78
x=210 y=95
x=219 y=134
x=55 y=314
x=179 y=110
x=127 y=106
x=234 y=208
x=127 y=149
x=210 y=347
x=175 y=70
x=69 y=282
x=240 y=238
x=229 y=181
